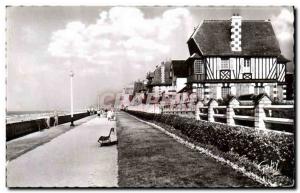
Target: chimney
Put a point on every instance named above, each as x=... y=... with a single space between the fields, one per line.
x=236 y=33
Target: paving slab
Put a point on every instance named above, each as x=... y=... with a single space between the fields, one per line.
x=73 y=159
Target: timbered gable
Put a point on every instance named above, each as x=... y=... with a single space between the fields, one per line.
x=244 y=68
x=257 y=58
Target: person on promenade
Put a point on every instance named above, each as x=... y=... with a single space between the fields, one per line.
x=55 y=119
x=109 y=115
x=48 y=122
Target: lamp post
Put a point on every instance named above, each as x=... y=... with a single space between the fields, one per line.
x=71 y=94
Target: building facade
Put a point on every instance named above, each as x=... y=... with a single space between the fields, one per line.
x=235 y=57
x=160 y=80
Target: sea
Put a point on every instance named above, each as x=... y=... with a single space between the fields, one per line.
x=19 y=116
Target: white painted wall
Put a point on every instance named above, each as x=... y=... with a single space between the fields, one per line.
x=180 y=83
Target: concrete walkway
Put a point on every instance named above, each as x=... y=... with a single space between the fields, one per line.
x=73 y=159
x=21 y=145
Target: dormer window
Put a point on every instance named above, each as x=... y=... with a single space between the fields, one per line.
x=198 y=67
x=224 y=63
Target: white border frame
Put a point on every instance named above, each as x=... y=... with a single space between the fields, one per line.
x=3 y=73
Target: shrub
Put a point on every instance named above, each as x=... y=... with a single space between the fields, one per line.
x=256 y=145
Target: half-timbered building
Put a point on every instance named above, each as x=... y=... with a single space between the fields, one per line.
x=235 y=57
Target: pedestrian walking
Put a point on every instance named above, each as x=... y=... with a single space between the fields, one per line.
x=109 y=115
x=48 y=122
x=55 y=119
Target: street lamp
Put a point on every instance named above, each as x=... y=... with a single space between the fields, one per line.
x=71 y=94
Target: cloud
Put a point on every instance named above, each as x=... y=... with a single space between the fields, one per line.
x=283 y=25
x=121 y=34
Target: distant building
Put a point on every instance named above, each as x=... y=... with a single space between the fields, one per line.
x=139 y=87
x=125 y=97
x=128 y=90
x=235 y=57
x=160 y=80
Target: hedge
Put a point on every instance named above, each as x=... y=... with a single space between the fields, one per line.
x=257 y=145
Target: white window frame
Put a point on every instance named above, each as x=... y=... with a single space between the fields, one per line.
x=225 y=64
x=198 y=67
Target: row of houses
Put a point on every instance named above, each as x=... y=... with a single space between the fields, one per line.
x=227 y=57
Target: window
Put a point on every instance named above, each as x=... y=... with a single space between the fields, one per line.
x=198 y=67
x=225 y=91
x=200 y=93
x=247 y=63
x=225 y=63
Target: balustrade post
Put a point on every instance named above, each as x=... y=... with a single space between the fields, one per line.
x=259 y=112
x=230 y=111
x=211 y=105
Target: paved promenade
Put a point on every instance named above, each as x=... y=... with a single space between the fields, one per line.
x=145 y=157
x=19 y=146
x=73 y=159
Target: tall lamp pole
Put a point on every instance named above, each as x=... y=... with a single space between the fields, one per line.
x=71 y=93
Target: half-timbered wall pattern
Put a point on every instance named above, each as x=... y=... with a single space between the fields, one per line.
x=255 y=68
x=281 y=69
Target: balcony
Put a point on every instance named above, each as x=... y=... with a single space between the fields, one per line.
x=196 y=78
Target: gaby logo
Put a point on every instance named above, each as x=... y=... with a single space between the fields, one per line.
x=170 y=100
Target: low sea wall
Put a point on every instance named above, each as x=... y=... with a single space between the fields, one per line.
x=19 y=129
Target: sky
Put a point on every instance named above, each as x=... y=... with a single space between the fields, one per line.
x=106 y=47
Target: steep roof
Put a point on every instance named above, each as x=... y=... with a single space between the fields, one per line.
x=258 y=38
x=282 y=59
x=195 y=55
x=180 y=68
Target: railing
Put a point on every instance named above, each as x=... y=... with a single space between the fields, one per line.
x=184 y=112
x=262 y=115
